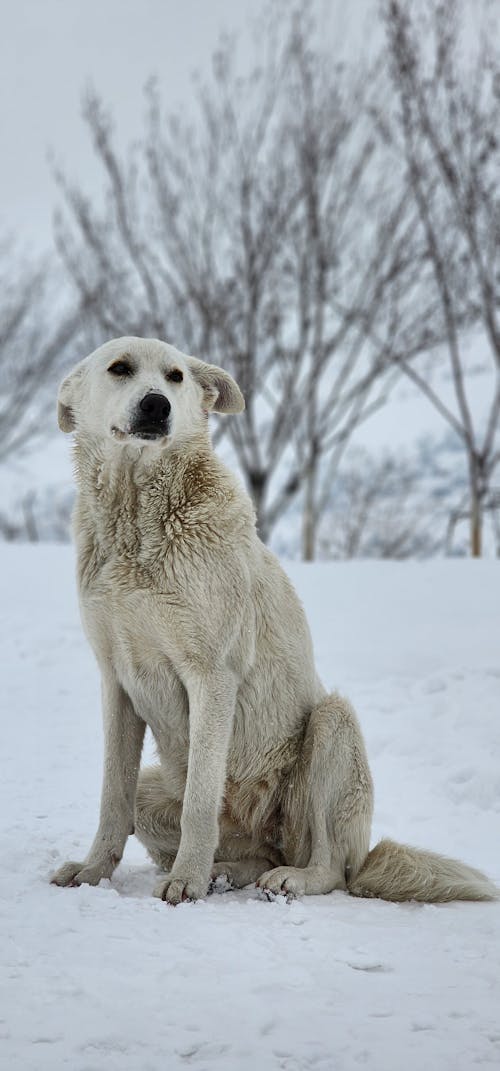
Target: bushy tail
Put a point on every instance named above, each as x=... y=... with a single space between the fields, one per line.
x=396 y=872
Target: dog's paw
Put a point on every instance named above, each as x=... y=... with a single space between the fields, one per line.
x=175 y=890
x=235 y=875
x=221 y=879
x=81 y=874
x=285 y=881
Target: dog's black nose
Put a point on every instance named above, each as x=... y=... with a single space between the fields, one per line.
x=156 y=407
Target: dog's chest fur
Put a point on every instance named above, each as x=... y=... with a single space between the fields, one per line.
x=140 y=526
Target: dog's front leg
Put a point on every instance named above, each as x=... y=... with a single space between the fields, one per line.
x=123 y=739
x=211 y=712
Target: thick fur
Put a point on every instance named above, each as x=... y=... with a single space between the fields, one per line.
x=397 y=872
x=262 y=775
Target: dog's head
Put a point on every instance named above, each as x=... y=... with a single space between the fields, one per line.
x=142 y=391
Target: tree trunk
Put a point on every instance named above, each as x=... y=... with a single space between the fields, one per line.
x=309 y=513
x=475 y=510
x=476 y=529
x=258 y=484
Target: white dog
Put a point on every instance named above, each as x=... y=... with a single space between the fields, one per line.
x=199 y=634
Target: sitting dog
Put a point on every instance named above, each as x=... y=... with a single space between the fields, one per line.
x=262 y=776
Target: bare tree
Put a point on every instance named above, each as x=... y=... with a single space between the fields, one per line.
x=38 y=515
x=447 y=122
x=35 y=332
x=264 y=236
x=378 y=508
x=359 y=263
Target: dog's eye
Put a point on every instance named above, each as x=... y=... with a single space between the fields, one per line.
x=175 y=376
x=120 y=368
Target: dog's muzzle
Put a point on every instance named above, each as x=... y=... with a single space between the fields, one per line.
x=151 y=418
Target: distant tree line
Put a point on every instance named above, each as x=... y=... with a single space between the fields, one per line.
x=321 y=232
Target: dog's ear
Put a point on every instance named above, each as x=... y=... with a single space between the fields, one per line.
x=221 y=393
x=66 y=399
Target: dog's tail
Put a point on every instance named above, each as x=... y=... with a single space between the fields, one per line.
x=396 y=872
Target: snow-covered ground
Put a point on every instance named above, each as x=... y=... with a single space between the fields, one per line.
x=105 y=978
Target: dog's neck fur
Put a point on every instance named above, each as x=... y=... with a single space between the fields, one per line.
x=141 y=507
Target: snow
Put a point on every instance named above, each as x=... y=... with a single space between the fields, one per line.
x=104 y=978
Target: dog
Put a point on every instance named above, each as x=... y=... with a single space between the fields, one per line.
x=263 y=776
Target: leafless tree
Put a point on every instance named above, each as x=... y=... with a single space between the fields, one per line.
x=446 y=121
x=379 y=508
x=38 y=515
x=266 y=236
x=35 y=332
x=351 y=265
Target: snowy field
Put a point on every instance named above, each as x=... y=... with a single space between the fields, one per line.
x=109 y=978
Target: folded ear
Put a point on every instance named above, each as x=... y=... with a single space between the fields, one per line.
x=221 y=393
x=66 y=399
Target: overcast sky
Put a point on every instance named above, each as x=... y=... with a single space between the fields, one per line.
x=51 y=49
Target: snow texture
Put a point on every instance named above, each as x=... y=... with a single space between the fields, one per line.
x=95 y=979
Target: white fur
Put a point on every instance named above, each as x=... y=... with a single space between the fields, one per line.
x=199 y=634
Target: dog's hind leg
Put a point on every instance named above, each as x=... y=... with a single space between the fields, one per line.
x=157 y=818
x=327 y=806
x=157 y=826
x=241 y=872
